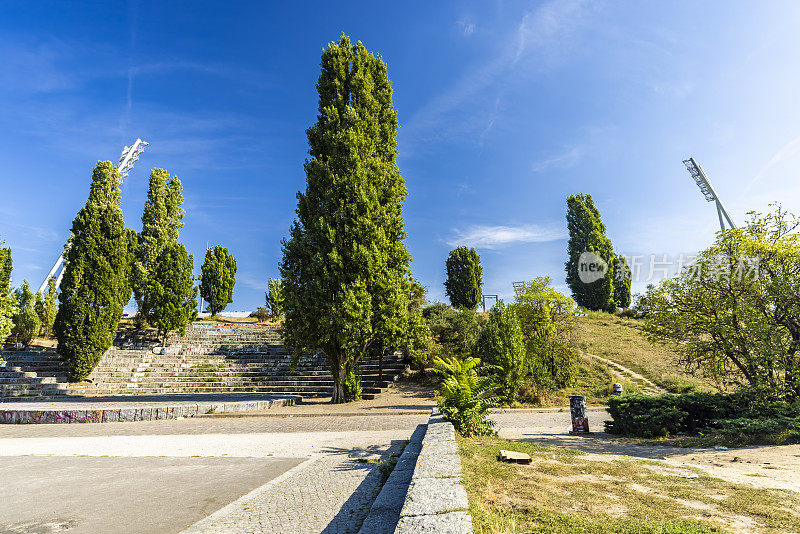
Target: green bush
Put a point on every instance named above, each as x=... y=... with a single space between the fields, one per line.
x=775 y=429
x=645 y=416
x=464 y=398
x=552 y=363
x=501 y=345
x=457 y=331
x=26 y=322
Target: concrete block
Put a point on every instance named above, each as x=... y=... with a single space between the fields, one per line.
x=439 y=447
x=438 y=466
x=379 y=522
x=428 y=496
x=448 y=523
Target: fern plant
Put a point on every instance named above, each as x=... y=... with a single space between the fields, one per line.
x=464 y=398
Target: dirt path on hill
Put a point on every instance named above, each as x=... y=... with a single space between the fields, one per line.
x=650 y=388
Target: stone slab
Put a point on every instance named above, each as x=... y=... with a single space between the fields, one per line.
x=438 y=466
x=448 y=523
x=427 y=496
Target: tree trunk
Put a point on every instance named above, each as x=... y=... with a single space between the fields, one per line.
x=338 y=384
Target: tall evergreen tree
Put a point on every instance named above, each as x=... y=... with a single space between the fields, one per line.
x=464 y=278
x=47 y=306
x=275 y=297
x=587 y=234
x=345 y=264
x=8 y=304
x=93 y=290
x=26 y=322
x=217 y=278
x=170 y=299
x=162 y=217
x=622 y=283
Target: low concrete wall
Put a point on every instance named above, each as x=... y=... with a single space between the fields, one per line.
x=89 y=412
x=424 y=492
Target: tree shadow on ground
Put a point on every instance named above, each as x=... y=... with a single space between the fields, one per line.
x=351 y=515
x=370 y=451
x=604 y=444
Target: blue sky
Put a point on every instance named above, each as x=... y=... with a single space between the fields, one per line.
x=505 y=108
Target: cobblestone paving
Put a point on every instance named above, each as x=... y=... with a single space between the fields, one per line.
x=329 y=494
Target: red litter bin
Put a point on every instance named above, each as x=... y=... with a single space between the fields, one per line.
x=580 y=420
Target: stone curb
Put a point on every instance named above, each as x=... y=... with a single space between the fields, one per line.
x=148 y=413
x=424 y=492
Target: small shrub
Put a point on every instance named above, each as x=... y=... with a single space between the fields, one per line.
x=464 y=397
x=552 y=363
x=457 y=331
x=628 y=313
x=501 y=345
x=261 y=313
x=778 y=430
x=646 y=416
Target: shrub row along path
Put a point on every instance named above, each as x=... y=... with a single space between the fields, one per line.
x=758 y=466
x=648 y=387
x=291 y=470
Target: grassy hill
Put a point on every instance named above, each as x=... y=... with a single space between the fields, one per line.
x=621 y=341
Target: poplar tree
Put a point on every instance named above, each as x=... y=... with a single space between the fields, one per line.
x=587 y=233
x=464 y=278
x=46 y=306
x=622 y=283
x=162 y=217
x=8 y=304
x=26 y=322
x=275 y=297
x=217 y=278
x=93 y=290
x=170 y=298
x=344 y=265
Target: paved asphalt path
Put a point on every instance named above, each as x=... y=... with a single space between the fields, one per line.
x=131 y=495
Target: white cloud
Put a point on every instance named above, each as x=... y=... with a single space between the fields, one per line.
x=786 y=152
x=547 y=33
x=564 y=160
x=467 y=28
x=492 y=237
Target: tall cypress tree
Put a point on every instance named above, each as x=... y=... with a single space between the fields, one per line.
x=587 y=233
x=93 y=290
x=8 y=304
x=162 y=217
x=622 y=283
x=27 y=323
x=464 y=278
x=345 y=264
x=217 y=278
x=170 y=299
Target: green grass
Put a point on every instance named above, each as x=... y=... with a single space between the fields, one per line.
x=621 y=340
x=562 y=492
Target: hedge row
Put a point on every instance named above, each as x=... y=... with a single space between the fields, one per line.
x=645 y=416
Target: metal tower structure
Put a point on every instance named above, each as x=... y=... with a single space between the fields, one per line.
x=702 y=181
x=130 y=155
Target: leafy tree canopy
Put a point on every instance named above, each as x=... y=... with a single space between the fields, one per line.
x=464 y=278
x=345 y=264
x=735 y=313
x=587 y=234
x=95 y=285
x=170 y=300
x=217 y=278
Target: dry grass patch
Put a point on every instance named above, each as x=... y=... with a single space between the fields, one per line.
x=562 y=491
x=621 y=340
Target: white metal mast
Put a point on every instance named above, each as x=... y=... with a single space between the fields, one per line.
x=130 y=154
x=707 y=189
